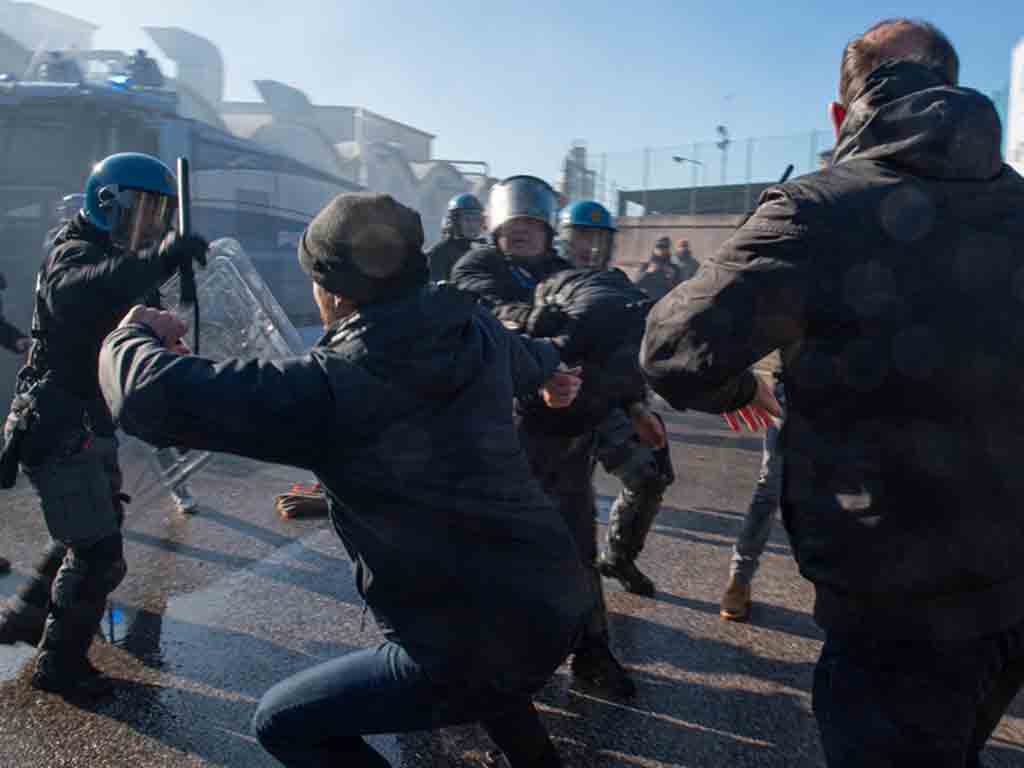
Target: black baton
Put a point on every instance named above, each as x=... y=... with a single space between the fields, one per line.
x=186 y=273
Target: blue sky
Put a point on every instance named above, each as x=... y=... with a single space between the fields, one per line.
x=515 y=83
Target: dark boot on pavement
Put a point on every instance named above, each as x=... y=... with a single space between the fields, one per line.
x=63 y=665
x=5 y=566
x=736 y=602
x=23 y=615
x=625 y=571
x=595 y=666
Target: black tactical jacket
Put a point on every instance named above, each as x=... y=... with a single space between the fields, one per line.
x=404 y=412
x=443 y=257
x=506 y=288
x=85 y=287
x=511 y=292
x=892 y=285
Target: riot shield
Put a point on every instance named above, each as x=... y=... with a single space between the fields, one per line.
x=239 y=317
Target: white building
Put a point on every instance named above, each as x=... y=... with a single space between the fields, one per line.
x=1015 y=110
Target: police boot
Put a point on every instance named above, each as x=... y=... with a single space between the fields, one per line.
x=23 y=616
x=595 y=666
x=63 y=665
x=625 y=571
x=628 y=522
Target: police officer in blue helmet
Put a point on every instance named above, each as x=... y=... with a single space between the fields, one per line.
x=631 y=443
x=587 y=233
x=463 y=223
x=109 y=256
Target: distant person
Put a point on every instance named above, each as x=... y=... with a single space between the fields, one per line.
x=461 y=228
x=144 y=70
x=891 y=284
x=17 y=341
x=659 y=275
x=686 y=261
x=12 y=338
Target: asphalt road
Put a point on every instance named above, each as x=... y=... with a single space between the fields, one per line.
x=219 y=606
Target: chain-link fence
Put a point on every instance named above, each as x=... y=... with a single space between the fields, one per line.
x=749 y=162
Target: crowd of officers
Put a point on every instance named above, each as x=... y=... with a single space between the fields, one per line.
x=455 y=424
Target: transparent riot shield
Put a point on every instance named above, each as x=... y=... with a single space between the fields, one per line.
x=239 y=317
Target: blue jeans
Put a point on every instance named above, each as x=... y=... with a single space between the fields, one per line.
x=318 y=717
x=757 y=524
x=886 y=704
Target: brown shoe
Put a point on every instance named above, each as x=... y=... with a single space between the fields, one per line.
x=736 y=601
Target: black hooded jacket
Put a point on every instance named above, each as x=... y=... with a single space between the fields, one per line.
x=85 y=287
x=892 y=284
x=404 y=412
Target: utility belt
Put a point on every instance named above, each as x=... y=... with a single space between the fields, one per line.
x=46 y=421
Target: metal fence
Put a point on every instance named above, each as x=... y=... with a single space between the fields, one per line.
x=725 y=162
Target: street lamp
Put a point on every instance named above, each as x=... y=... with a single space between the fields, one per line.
x=695 y=163
x=723 y=144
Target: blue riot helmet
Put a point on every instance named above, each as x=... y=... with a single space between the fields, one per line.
x=133 y=197
x=464 y=219
x=587 y=231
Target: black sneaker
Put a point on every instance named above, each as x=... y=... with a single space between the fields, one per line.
x=5 y=566
x=632 y=578
x=597 y=667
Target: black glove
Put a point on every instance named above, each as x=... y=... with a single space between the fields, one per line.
x=177 y=251
x=546 y=320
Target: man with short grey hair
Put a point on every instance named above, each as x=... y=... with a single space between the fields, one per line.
x=891 y=284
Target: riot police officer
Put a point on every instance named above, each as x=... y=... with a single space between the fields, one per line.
x=461 y=227
x=632 y=447
x=113 y=253
x=504 y=276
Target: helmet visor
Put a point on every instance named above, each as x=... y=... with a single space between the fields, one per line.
x=521 y=197
x=468 y=224
x=143 y=218
x=588 y=247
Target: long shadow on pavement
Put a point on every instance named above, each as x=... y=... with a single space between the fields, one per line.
x=763 y=616
x=314 y=582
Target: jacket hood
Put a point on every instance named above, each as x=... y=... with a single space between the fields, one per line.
x=425 y=342
x=909 y=116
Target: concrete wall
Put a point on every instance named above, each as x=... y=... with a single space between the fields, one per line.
x=637 y=235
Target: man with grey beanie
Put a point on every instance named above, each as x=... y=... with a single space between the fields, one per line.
x=403 y=410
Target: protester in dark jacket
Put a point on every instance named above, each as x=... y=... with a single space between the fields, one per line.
x=403 y=411
x=891 y=284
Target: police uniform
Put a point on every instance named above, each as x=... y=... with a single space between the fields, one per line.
x=60 y=429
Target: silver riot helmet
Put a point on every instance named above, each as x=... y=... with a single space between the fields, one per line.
x=521 y=197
